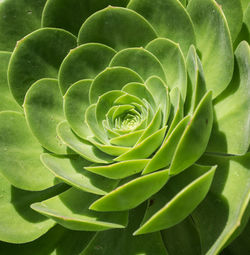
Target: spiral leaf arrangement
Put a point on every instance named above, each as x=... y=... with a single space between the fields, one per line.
x=124 y=127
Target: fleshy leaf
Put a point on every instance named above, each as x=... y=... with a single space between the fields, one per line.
x=245 y=29
x=241 y=244
x=141 y=61
x=76 y=101
x=234 y=15
x=153 y=126
x=17 y=19
x=230 y=193
x=128 y=140
x=184 y=233
x=71 y=171
x=121 y=241
x=108 y=149
x=141 y=91
x=104 y=103
x=177 y=109
x=160 y=94
x=163 y=156
x=195 y=137
x=116 y=27
x=177 y=199
x=172 y=60
x=231 y=130
x=70 y=209
x=31 y=61
x=80 y=146
x=214 y=43
x=196 y=81
x=120 y=109
x=20 y=154
x=56 y=240
x=70 y=15
x=111 y=133
x=84 y=62
x=112 y=79
x=91 y=121
x=129 y=99
x=19 y=223
x=144 y=149
x=132 y=193
x=244 y=4
x=246 y=17
x=163 y=15
x=43 y=106
x=119 y=170
x=7 y=102
x=183 y=2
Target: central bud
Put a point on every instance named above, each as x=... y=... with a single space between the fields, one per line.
x=127 y=120
x=130 y=122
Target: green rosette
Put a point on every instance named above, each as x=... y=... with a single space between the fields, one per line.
x=124 y=127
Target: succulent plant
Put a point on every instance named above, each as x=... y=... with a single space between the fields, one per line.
x=124 y=127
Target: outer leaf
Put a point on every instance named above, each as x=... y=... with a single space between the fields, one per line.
x=195 y=137
x=116 y=27
x=183 y=2
x=121 y=241
x=32 y=61
x=234 y=15
x=244 y=4
x=132 y=193
x=160 y=94
x=76 y=101
x=96 y=129
x=71 y=171
x=17 y=19
x=71 y=14
x=119 y=170
x=172 y=60
x=182 y=239
x=213 y=42
x=20 y=151
x=43 y=106
x=70 y=209
x=82 y=147
x=169 y=18
x=109 y=149
x=164 y=155
x=56 y=240
x=18 y=223
x=196 y=82
x=128 y=140
x=230 y=194
x=245 y=29
x=84 y=62
x=177 y=108
x=231 y=130
x=139 y=60
x=240 y=244
x=178 y=199
x=7 y=101
x=246 y=19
